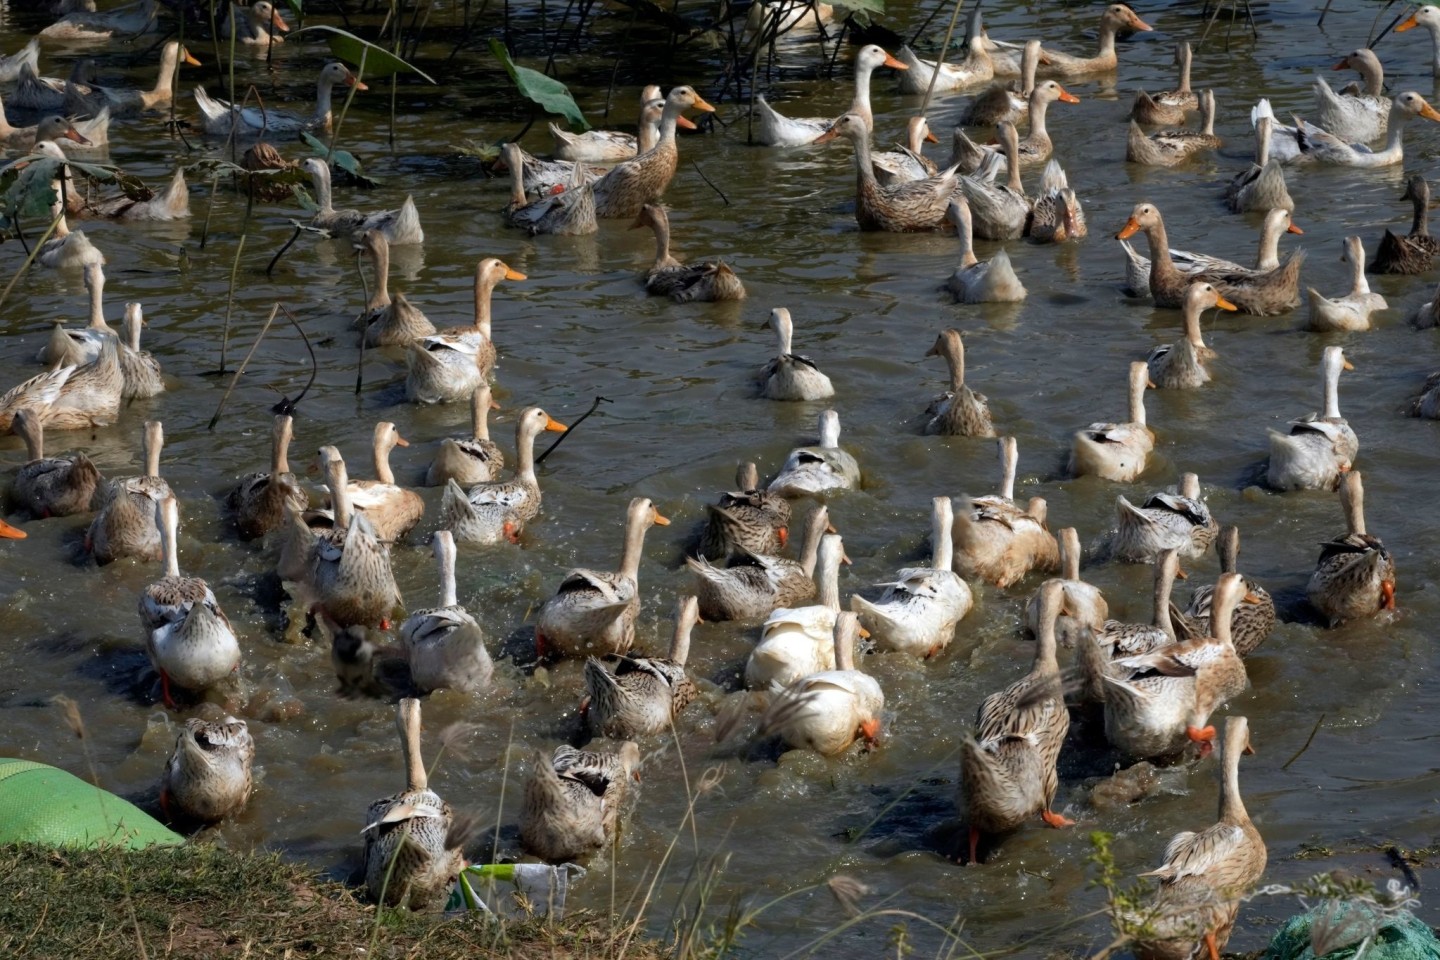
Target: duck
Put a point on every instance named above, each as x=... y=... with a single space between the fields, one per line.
x=1117 y=451
x=399 y=227
x=754 y=584
x=387 y=321
x=1355 y=575
x=35 y=93
x=594 y=610
x=798 y=641
x=1318 y=145
x=975 y=280
x=35 y=394
x=1164 y=521
x=88 y=25
x=1270 y=289
x=909 y=207
x=1413 y=253
x=748 y=519
x=11 y=63
x=208 y=775
x=258 y=502
x=91 y=396
x=444 y=644
x=921 y=606
x=1190 y=265
x=774 y=129
x=704 y=280
x=350 y=571
x=1004 y=100
x=128 y=101
x=645 y=695
x=1355 y=114
x=51 y=486
x=603 y=146
x=633 y=183
x=1261 y=188
x=1056 y=214
x=1422 y=317
x=907 y=163
x=999 y=211
x=829 y=710
x=1181 y=365
x=447 y=366
x=473 y=459
x=188 y=637
x=823 y=468
x=786 y=18
x=392 y=511
x=261 y=26
x=496 y=510
x=125 y=525
x=1007 y=766
x=573 y=801
x=544 y=177
x=791 y=376
x=1206 y=874
x=959 y=411
x=995 y=539
x=73 y=347
x=412 y=853
x=1251 y=623
x=66 y=249
x=564 y=212
x=1083 y=606
x=218 y=117
x=1426 y=403
x=140 y=370
x=170 y=203
x=1320 y=448
x=1116 y=17
x=53 y=127
x=1174 y=147
x=1163 y=699
x=1428 y=17
x=1037 y=146
x=975 y=67
x=1351 y=311
x=1117 y=639
x=1168 y=108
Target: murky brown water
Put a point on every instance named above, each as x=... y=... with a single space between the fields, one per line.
x=866 y=308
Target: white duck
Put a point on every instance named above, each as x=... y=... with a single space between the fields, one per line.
x=66 y=249
x=919 y=609
x=1318 y=449
x=445 y=645
x=1351 y=311
x=1117 y=451
x=974 y=68
x=818 y=469
x=1317 y=145
x=975 y=280
x=829 y=710
x=77 y=347
x=773 y=129
x=798 y=641
x=1083 y=603
x=219 y=116
x=1357 y=115
x=791 y=376
x=399 y=226
x=1428 y=17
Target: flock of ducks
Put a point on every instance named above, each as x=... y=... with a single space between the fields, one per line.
x=1156 y=686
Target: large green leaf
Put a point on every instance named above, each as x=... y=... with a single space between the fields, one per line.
x=378 y=62
x=550 y=93
x=861 y=10
x=343 y=159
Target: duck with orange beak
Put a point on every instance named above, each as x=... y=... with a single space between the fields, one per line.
x=774 y=129
x=828 y=711
x=1428 y=17
x=219 y=116
x=622 y=192
x=7 y=532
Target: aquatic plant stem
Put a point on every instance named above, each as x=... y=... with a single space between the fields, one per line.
x=940 y=57
x=573 y=424
x=241 y=369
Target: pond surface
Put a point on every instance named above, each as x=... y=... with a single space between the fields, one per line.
x=682 y=413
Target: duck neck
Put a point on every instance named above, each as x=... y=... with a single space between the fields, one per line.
x=1012 y=162
x=1138 y=383
x=525 y=453
x=860 y=104
x=323 y=196
x=1355 y=254
x=1331 y=373
x=942 y=521
x=810 y=550
x=964 y=232
x=154 y=440
x=484 y=286
x=134 y=320
x=407 y=718
x=1164 y=585
x=830 y=430
x=339 y=493
x=381 y=257
x=1008 y=467
x=1184 y=69
x=1232 y=804
x=33 y=433
x=1373 y=74
x=324 y=92
x=480 y=414
x=1230 y=550
x=634 y=544
x=95 y=281
x=845 y=642
x=1192 y=324
x=169 y=68
x=1394 y=140
x=1420 y=225
x=784 y=334
x=955 y=357
x=1106 y=49
x=170 y=530
x=280 y=447
x=1353 y=495
x=1070 y=554
x=380 y=457
x=862 y=159
x=1160 y=249
x=1029 y=63
x=1207 y=114
x=445 y=554
x=668 y=118
x=1039 y=107
x=1262 y=142
x=827 y=579
x=1268 y=256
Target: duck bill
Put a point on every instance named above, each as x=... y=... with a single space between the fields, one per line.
x=554 y=426
x=1429 y=113
x=1342 y=65
x=72 y=134
x=514 y=275
x=189 y=58
x=894 y=64
x=401 y=441
x=1137 y=24
x=1067 y=97
x=1250 y=598
x=826 y=137
x=353 y=81
x=661 y=520
x=931 y=138
x=685 y=123
x=1132 y=227
x=8 y=532
x=700 y=104
x=1348 y=365
x=1293 y=229
x=1224 y=304
x=278 y=22
x=1410 y=23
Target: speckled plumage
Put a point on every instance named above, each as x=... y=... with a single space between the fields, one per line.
x=573 y=801
x=207 y=777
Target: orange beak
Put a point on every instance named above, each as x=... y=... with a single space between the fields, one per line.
x=870 y=730
x=8 y=532
x=830 y=528
x=353 y=81
x=1179 y=574
x=1132 y=227
x=553 y=425
x=784 y=534
x=894 y=64
x=865 y=633
x=1068 y=97
x=1249 y=598
x=660 y=520
x=825 y=137
x=1137 y=24
x=514 y=274
x=73 y=134
x=1349 y=365
x=700 y=104
x=1411 y=22
x=685 y=124
x=931 y=138
x=1293 y=229
x=401 y=441
x=1343 y=64
x=1428 y=112
x=845 y=559
x=1151 y=385
x=494 y=405
x=1249 y=751
x=189 y=58
x=1387 y=589
x=1224 y=304
x=1200 y=735
x=276 y=21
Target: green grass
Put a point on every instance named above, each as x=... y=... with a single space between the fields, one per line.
x=198 y=901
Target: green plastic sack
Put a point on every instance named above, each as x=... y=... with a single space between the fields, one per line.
x=1347 y=925
x=44 y=805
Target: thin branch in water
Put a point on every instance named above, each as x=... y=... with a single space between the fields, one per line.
x=573 y=424
x=724 y=199
x=940 y=57
x=270 y=267
x=1308 y=740
x=285 y=405
x=241 y=369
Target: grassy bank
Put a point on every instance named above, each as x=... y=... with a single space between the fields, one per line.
x=197 y=901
